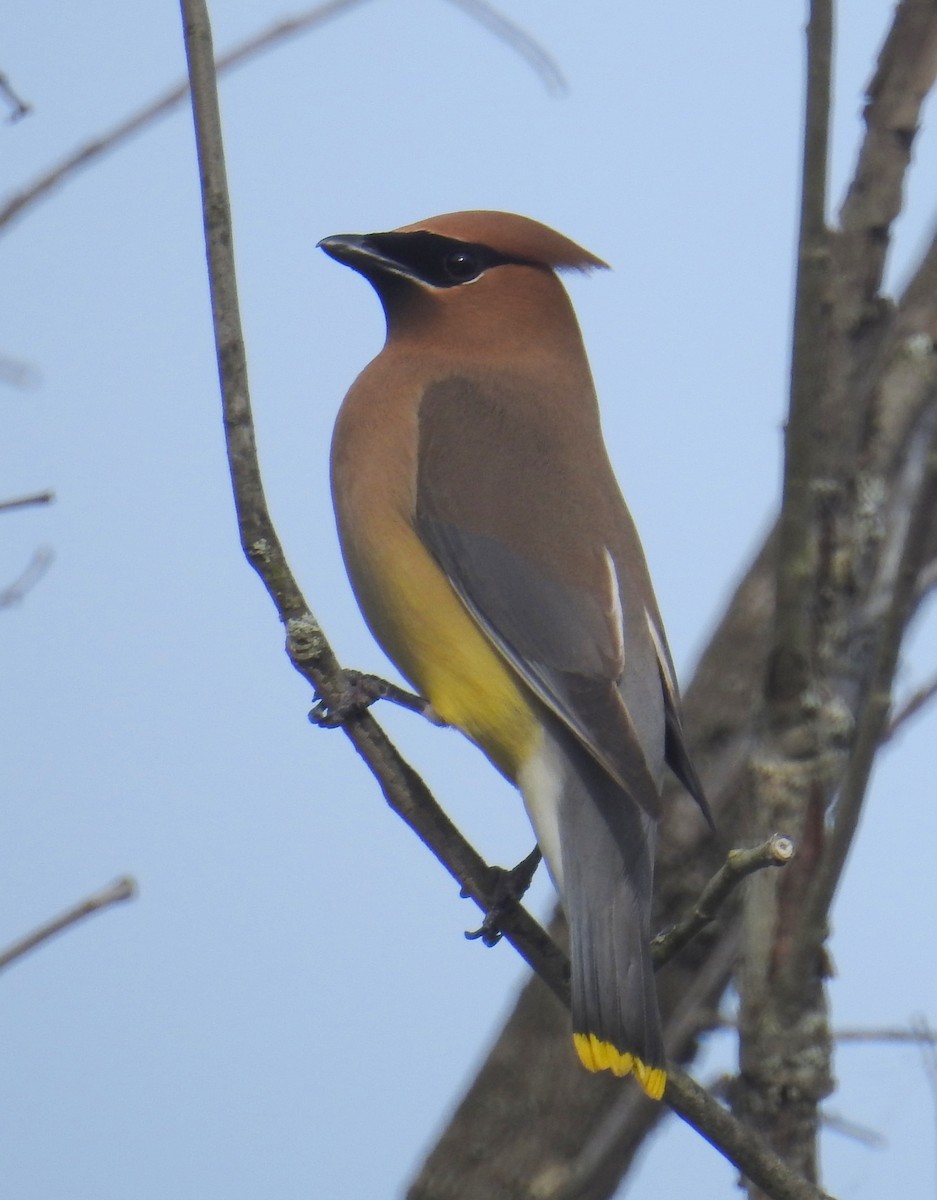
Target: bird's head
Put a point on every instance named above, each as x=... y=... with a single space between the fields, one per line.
x=496 y=265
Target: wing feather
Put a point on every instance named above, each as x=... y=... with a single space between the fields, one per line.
x=539 y=579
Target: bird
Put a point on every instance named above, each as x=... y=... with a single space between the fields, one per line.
x=494 y=559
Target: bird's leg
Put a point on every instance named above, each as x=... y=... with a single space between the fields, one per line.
x=359 y=693
x=509 y=888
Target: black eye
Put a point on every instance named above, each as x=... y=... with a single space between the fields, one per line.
x=462 y=265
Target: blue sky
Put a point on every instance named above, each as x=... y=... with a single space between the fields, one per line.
x=289 y=1007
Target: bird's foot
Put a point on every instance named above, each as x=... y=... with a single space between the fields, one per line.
x=509 y=888
x=359 y=693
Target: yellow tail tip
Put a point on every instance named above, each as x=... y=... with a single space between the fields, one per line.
x=596 y=1055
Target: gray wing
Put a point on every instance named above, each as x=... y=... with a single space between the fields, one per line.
x=490 y=481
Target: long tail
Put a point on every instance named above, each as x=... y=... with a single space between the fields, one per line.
x=599 y=846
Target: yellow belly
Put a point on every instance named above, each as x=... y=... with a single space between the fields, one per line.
x=427 y=631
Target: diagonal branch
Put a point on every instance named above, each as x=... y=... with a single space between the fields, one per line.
x=918 y=700
x=13 y=593
x=45 y=497
x=518 y=40
x=739 y=864
x=18 y=106
x=905 y=74
x=121 y=889
x=764 y=1168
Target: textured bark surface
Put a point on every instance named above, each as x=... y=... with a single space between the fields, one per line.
x=856 y=520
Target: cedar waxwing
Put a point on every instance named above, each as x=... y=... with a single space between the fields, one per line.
x=494 y=559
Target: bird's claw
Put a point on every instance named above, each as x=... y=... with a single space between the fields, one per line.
x=357 y=695
x=359 y=692
x=488 y=932
x=509 y=887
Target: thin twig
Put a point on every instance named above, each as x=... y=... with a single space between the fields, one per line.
x=120 y=889
x=910 y=708
x=913 y=1036
x=19 y=106
x=836 y=1123
x=928 y=1058
x=45 y=497
x=37 y=566
x=739 y=864
x=519 y=40
x=927 y=580
x=917 y=1035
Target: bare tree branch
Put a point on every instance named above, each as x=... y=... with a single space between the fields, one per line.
x=928 y=1058
x=775 y=852
x=121 y=889
x=873 y=717
x=927 y=580
x=544 y=64
x=870 y=340
x=749 y=1153
x=917 y=1035
x=837 y=1123
x=45 y=497
x=803 y=458
x=918 y=700
x=784 y=1048
x=19 y=106
x=904 y=76
x=30 y=576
